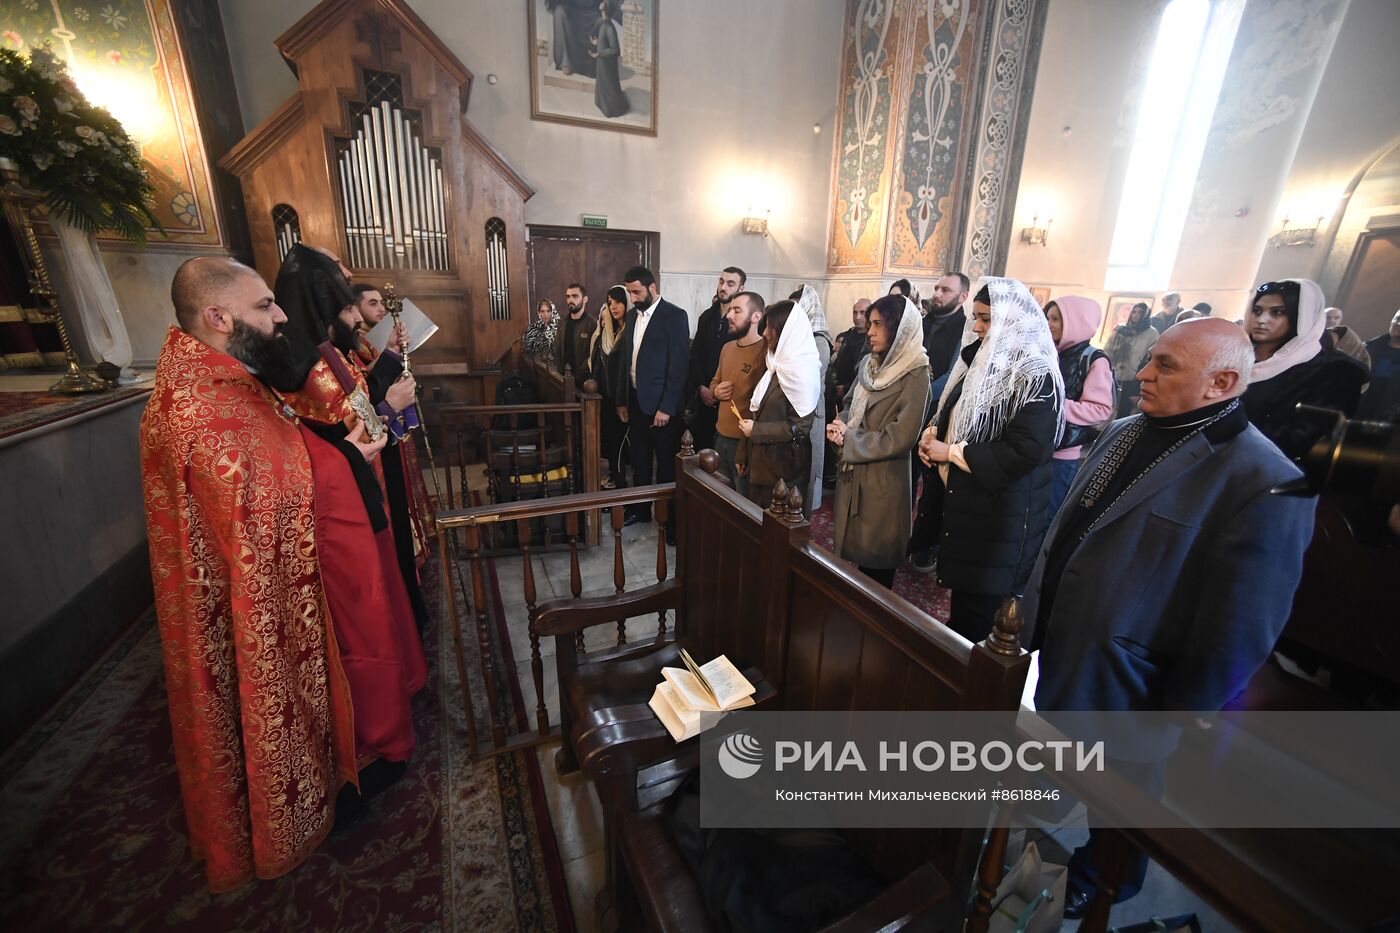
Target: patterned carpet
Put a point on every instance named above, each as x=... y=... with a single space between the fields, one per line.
x=23 y=411
x=921 y=589
x=95 y=835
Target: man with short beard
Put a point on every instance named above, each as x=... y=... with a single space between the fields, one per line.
x=240 y=605
x=943 y=339
x=711 y=334
x=742 y=362
x=574 y=334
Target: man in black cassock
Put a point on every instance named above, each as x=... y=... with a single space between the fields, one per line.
x=573 y=26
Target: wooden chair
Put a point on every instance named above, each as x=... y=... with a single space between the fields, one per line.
x=750 y=585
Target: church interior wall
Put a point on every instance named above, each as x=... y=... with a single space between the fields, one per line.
x=1285 y=139
x=741 y=87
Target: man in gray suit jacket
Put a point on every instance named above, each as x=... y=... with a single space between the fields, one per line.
x=1169 y=573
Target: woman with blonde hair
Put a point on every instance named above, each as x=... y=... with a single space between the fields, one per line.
x=610 y=373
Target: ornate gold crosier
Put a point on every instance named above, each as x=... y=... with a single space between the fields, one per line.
x=19 y=202
x=394 y=305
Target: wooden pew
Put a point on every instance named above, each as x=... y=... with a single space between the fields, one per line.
x=750 y=584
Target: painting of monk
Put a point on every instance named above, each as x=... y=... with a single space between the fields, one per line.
x=593 y=63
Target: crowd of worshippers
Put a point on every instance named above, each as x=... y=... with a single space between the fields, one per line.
x=973 y=433
x=952 y=430
x=285 y=509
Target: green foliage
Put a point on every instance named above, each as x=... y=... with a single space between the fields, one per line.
x=76 y=155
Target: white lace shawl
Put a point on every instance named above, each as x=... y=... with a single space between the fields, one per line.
x=1012 y=368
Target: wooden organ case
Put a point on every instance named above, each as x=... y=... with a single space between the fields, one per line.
x=374 y=158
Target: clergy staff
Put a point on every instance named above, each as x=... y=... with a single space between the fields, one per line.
x=260 y=711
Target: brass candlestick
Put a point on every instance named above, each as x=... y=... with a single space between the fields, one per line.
x=18 y=202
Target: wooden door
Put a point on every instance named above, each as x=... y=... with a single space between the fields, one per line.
x=558 y=256
x=1367 y=294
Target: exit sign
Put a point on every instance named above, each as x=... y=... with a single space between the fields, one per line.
x=595 y=220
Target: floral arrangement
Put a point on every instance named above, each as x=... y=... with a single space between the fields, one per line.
x=75 y=155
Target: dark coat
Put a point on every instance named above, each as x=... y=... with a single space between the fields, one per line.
x=1176 y=596
x=662 y=360
x=942 y=340
x=583 y=335
x=988 y=524
x=610 y=371
x=779 y=447
x=874 y=498
x=1329 y=380
x=711 y=334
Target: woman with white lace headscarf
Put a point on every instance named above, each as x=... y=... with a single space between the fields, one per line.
x=874 y=434
x=991 y=441
x=776 y=443
x=1286 y=323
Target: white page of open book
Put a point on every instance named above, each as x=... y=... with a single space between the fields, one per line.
x=688 y=693
x=724 y=678
x=417 y=325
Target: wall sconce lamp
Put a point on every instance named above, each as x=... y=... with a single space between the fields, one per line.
x=1295 y=236
x=757 y=225
x=1035 y=234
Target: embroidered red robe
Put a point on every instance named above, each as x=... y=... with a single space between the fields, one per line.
x=379 y=645
x=259 y=707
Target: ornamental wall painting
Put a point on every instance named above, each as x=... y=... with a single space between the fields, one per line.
x=125 y=56
x=930 y=161
x=874 y=32
x=933 y=104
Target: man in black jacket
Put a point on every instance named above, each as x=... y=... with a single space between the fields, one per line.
x=574 y=334
x=654 y=352
x=711 y=334
x=944 y=321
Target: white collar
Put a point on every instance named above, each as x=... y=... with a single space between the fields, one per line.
x=651 y=307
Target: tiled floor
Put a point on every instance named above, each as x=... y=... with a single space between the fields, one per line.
x=573 y=804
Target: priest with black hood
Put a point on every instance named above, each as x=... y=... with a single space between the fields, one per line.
x=1169 y=573
x=371 y=612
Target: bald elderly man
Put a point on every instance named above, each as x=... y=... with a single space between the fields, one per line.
x=1169 y=572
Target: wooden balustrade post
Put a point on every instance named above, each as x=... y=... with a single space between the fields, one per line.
x=784 y=533
x=592 y=456
x=989 y=871
x=619 y=566
x=662 y=514
x=483 y=640
x=447 y=558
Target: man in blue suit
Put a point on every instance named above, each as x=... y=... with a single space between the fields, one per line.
x=655 y=350
x=1169 y=573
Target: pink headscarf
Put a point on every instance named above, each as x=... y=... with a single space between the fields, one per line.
x=1082 y=317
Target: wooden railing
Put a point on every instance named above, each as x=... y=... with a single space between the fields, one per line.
x=573 y=423
x=460 y=540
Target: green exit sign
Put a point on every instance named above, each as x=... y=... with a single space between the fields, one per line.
x=594 y=220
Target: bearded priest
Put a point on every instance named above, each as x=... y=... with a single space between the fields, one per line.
x=260 y=708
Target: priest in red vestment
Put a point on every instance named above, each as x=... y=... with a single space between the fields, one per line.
x=374 y=624
x=260 y=710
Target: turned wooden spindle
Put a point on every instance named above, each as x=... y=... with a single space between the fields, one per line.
x=1006 y=629
x=663 y=511
x=483 y=641
x=447 y=557
x=619 y=567
x=989 y=872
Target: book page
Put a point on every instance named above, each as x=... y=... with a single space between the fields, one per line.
x=728 y=684
x=417 y=325
x=689 y=693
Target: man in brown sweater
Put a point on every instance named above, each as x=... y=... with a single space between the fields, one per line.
x=741 y=364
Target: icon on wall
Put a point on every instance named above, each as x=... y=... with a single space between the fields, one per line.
x=593 y=63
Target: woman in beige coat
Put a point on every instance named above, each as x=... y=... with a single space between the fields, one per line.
x=874 y=434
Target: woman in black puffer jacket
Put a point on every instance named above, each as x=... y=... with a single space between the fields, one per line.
x=990 y=441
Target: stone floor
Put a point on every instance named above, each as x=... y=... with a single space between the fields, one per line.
x=574 y=804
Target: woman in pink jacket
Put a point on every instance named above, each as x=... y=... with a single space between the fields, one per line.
x=1090 y=391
